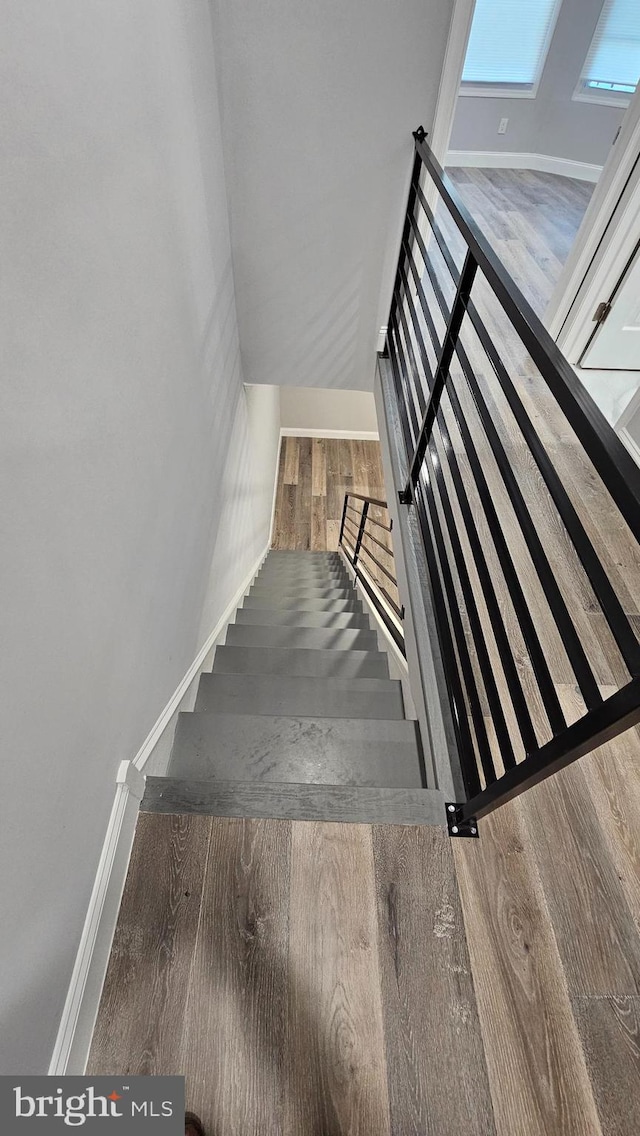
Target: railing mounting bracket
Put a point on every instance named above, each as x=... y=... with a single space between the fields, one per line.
x=420 y=134
x=457 y=827
x=404 y=496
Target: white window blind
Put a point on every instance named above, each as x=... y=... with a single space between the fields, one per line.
x=508 y=41
x=613 y=62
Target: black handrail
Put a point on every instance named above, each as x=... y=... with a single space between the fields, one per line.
x=389 y=610
x=454 y=447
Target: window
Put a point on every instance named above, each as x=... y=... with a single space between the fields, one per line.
x=612 y=67
x=508 y=46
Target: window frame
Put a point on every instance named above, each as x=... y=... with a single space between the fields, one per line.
x=585 y=94
x=515 y=90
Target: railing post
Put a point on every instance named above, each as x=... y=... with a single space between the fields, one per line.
x=458 y=312
x=363 y=521
x=419 y=136
x=344 y=514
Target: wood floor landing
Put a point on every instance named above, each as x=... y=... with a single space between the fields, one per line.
x=314 y=979
x=308 y=979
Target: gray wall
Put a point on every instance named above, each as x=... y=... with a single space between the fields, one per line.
x=552 y=123
x=124 y=461
x=319 y=101
x=303 y=408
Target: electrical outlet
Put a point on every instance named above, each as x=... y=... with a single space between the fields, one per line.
x=502 y=128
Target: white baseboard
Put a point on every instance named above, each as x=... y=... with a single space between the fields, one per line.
x=303 y=432
x=72 y=1045
x=544 y=163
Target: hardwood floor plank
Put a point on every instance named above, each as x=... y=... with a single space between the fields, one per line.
x=234 y=1044
x=597 y=938
x=319 y=467
x=337 y=1067
x=142 y=1008
x=318 y=540
x=437 y=1072
x=309 y=508
x=612 y=774
x=610 y=1033
x=333 y=535
x=291 y=461
x=538 y=1077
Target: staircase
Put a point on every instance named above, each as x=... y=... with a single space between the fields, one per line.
x=300 y=717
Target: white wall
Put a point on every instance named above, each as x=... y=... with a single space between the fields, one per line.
x=335 y=410
x=124 y=424
x=247 y=483
x=318 y=104
x=552 y=123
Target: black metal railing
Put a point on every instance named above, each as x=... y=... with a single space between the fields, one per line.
x=365 y=538
x=518 y=483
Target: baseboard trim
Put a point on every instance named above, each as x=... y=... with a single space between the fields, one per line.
x=77 y=1023
x=72 y=1045
x=173 y=704
x=543 y=163
x=300 y=432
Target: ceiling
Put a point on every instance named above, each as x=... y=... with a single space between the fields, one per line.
x=318 y=104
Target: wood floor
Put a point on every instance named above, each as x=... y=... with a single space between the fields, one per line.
x=328 y=979
x=313 y=476
x=312 y=978
x=531 y=220
x=308 y=979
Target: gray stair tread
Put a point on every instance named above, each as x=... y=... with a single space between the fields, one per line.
x=291 y=660
x=303 y=602
x=312 y=575
x=302 y=566
x=300 y=696
x=294 y=617
x=310 y=590
x=329 y=751
x=320 y=638
x=348 y=803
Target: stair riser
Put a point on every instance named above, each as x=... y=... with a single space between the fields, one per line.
x=314 y=638
x=317 y=751
x=308 y=569
x=294 y=696
x=288 y=661
x=297 y=618
x=291 y=603
x=300 y=591
x=346 y=804
x=304 y=556
x=298 y=580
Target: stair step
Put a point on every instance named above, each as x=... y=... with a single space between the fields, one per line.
x=302 y=556
x=286 y=617
x=273 y=571
x=330 y=751
x=348 y=803
x=300 y=696
x=299 y=661
x=293 y=580
x=296 y=591
x=317 y=638
x=303 y=603
x=309 y=569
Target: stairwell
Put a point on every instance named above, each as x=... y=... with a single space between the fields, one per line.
x=299 y=718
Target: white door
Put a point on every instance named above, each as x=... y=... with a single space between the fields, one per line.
x=615 y=345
